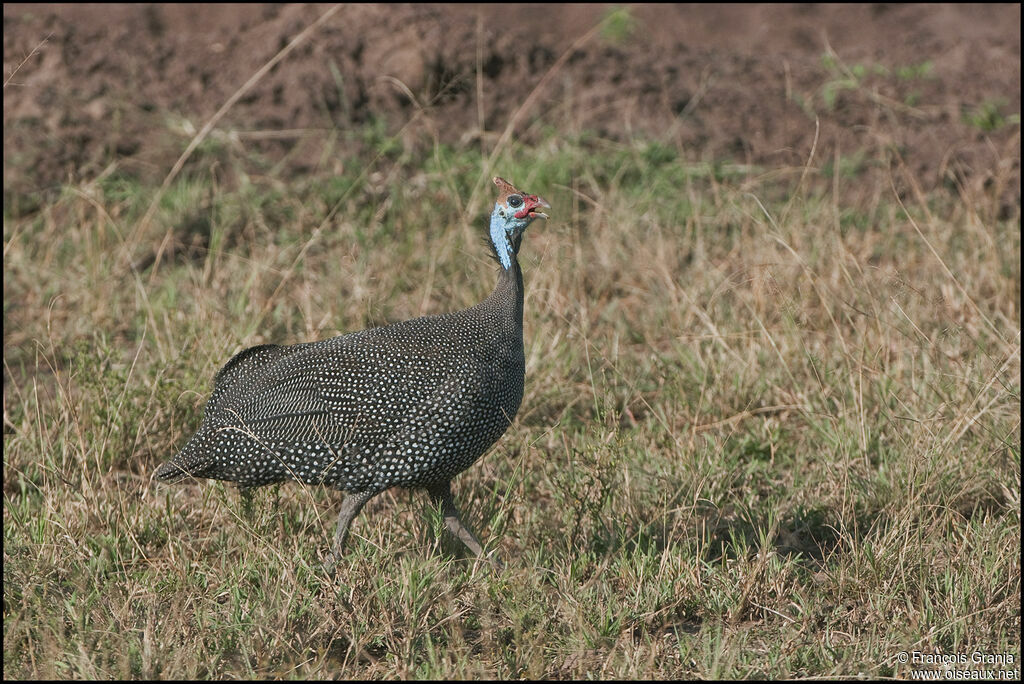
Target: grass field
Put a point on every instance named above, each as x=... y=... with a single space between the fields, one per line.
x=768 y=431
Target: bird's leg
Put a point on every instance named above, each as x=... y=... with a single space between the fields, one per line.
x=442 y=493
x=350 y=507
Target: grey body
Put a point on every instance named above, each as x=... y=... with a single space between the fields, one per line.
x=410 y=404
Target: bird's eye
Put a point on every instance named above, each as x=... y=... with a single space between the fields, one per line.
x=515 y=201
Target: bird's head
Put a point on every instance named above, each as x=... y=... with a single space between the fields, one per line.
x=513 y=212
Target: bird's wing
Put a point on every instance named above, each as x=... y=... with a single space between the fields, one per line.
x=335 y=393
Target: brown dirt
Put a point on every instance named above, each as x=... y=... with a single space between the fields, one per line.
x=737 y=82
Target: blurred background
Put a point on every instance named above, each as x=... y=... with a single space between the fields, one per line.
x=127 y=83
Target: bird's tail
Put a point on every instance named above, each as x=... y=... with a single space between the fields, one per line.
x=171 y=472
x=187 y=463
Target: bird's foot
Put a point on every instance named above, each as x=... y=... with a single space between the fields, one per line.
x=330 y=565
x=497 y=565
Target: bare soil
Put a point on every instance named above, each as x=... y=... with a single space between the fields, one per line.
x=935 y=86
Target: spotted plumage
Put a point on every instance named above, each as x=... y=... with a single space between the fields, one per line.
x=410 y=404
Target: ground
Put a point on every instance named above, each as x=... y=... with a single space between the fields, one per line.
x=934 y=84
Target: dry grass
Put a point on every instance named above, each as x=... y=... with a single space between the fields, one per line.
x=765 y=432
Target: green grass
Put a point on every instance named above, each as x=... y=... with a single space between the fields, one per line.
x=765 y=433
x=988 y=116
x=618 y=25
x=864 y=80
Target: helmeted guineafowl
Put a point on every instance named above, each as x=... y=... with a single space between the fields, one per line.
x=410 y=404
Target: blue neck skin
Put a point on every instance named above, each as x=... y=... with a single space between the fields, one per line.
x=500 y=238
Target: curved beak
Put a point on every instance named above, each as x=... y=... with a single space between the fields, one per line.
x=535 y=202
